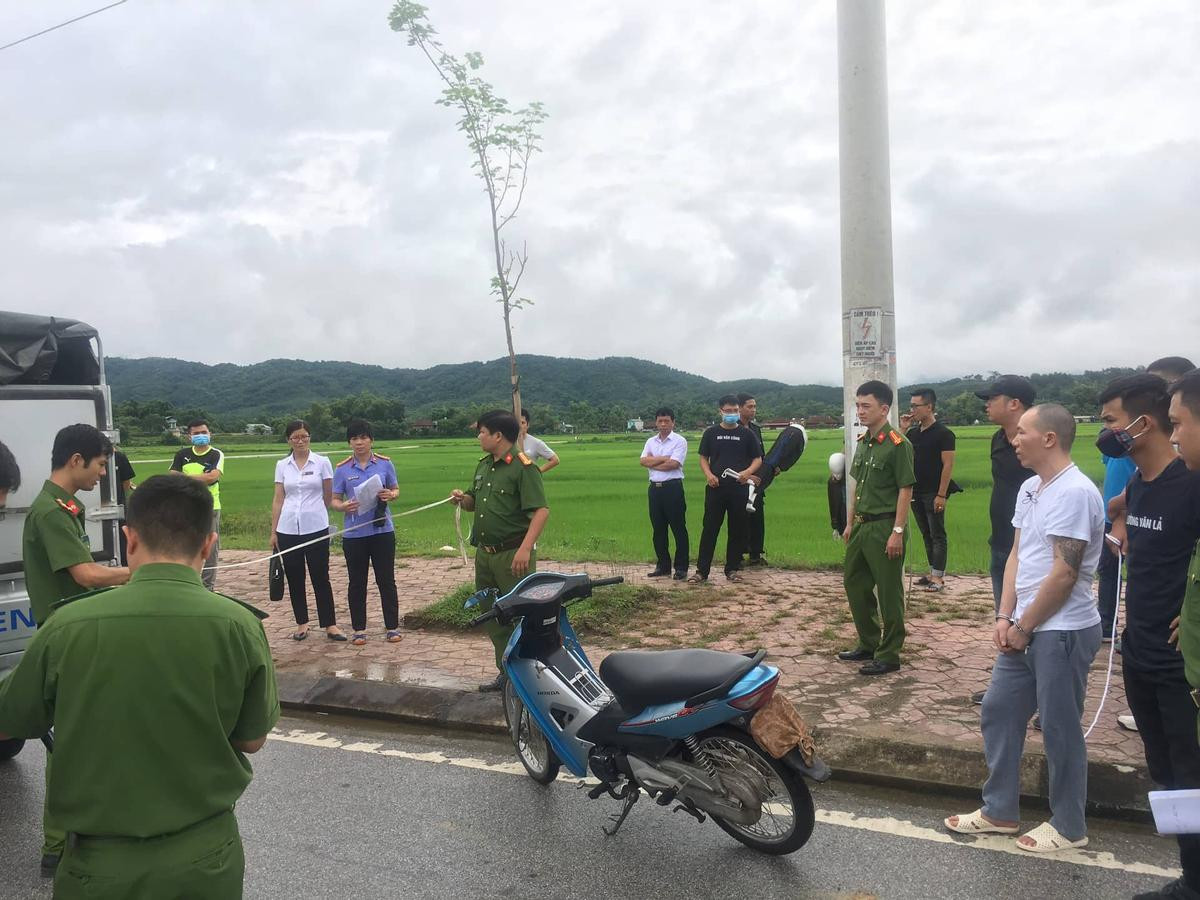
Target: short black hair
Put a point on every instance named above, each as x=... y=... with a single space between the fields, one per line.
x=1141 y=395
x=86 y=440
x=728 y=400
x=359 y=428
x=927 y=395
x=172 y=515
x=743 y=399
x=10 y=472
x=1188 y=389
x=1171 y=367
x=1056 y=418
x=525 y=414
x=296 y=425
x=665 y=411
x=497 y=420
x=876 y=389
x=196 y=423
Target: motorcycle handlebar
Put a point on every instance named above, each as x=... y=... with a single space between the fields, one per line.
x=604 y=582
x=479 y=620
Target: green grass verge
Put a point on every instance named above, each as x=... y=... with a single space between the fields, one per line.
x=608 y=613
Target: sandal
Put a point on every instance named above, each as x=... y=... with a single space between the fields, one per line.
x=1046 y=839
x=359 y=639
x=394 y=636
x=975 y=823
x=733 y=576
x=934 y=588
x=922 y=581
x=697 y=579
x=299 y=635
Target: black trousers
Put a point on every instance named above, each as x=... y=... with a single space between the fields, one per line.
x=932 y=526
x=727 y=500
x=378 y=551
x=316 y=556
x=668 y=508
x=1107 y=600
x=1166 y=719
x=756 y=526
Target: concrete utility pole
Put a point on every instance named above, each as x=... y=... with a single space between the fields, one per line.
x=868 y=302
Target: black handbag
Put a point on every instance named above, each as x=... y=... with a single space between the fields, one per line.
x=275 y=578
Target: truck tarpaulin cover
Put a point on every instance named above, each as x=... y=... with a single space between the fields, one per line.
x=46 y=350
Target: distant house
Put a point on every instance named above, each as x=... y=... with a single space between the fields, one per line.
x=776 y=424
x=634 y=425
x=823 y=422
x=258 y=428
x=422 y=425
x=171 y=426
x=565 y=428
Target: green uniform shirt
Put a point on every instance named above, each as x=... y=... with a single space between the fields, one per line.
x=883 y=464
x=1189 y=622
x=507 y=492
x=54 y=539
x=145 y=685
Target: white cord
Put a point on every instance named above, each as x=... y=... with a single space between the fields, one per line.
x=253 y=562
x=1112 y=645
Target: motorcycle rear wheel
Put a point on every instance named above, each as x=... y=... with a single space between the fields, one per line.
x=788 y=815
x=533 y=750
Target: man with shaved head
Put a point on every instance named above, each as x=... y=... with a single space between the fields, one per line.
x=1047 y=633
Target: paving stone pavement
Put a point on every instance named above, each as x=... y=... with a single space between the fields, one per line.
x=800 y=617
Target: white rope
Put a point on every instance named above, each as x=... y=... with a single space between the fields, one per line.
x=253 y=562
x=1112 y=645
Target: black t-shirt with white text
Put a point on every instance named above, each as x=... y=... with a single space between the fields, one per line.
x=729 y=448
x=1163 y=524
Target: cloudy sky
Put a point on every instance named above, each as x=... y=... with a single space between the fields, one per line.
x=234 y=181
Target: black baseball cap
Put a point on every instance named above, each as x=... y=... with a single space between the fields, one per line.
x=1010 y=386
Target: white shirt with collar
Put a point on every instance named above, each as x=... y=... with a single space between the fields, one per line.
x=304 y=510
x=675 y=446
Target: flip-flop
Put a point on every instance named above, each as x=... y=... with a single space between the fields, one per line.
x=394 y=636
x=1046 y=839
x=933 y=587
x=975 y=823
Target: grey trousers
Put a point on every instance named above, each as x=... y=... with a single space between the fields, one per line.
x=1050 y=679
x=209 y=575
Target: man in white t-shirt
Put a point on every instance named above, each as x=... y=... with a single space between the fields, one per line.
x=535 y=448
x=1047 y=632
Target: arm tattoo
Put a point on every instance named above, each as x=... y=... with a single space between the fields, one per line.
x=1070 y=551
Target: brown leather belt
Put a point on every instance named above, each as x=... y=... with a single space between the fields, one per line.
x=510 y=544
x=874 y=517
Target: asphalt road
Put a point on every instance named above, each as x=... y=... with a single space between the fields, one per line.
x=351 y=808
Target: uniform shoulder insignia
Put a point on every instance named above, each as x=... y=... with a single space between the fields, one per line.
x=58 y=604
x=381 y=456
x=70 y=506
x=254 y=609
x=896 y=439
x=508 y=457
x=346 y=460
x=525 y=460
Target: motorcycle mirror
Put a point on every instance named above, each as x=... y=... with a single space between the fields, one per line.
x=476 y=597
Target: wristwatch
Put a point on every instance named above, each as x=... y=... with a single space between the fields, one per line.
x=897 y=529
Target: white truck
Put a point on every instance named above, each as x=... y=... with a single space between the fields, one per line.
x=51 y=376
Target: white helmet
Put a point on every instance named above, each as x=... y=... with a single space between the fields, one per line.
x=837 y=465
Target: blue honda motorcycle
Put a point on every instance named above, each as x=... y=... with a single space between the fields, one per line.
x=673 y=724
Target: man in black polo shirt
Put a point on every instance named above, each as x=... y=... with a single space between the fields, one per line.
x=933 y=463
x=1006 y=401
x=728 y=446
x=1162 y=525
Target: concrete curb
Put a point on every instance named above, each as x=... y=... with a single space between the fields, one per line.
x=862 y=754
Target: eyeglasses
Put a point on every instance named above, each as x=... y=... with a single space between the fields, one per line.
x=300 y=437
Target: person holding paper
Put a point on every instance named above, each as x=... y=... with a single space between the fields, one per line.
x=1161 y=522
x=363 y=485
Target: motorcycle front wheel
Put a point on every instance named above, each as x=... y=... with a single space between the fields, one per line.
x=787 y=806
x=532 y=747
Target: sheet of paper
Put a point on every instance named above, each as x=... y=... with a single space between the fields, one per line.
x=1176 y=812
x=367 y=494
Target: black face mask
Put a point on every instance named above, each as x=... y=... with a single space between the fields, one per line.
x=1117 y=442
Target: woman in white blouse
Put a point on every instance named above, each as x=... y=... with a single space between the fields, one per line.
x=300 y=514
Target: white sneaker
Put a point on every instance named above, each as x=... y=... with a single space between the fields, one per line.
x=1127 y=722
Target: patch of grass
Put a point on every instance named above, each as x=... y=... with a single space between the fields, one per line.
x=610 y=612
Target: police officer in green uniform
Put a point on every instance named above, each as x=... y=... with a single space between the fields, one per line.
x=875 y=533
x=510 y=512
x=156 y=691
x=1185 y=435
x=57 y=554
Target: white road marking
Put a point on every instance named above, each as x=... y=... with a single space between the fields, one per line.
x=837 y=818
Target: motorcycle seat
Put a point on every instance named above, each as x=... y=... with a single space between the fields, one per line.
x=641 y=678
